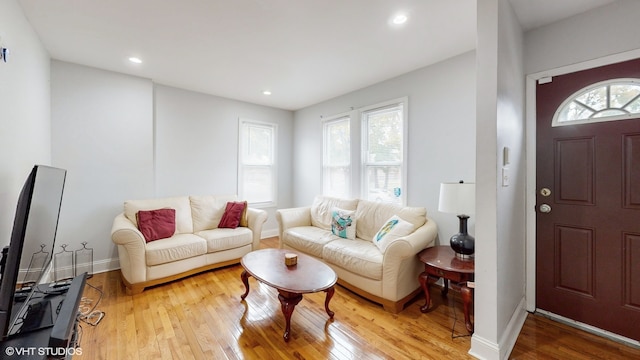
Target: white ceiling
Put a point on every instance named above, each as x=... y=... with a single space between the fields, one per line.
x=303 y=51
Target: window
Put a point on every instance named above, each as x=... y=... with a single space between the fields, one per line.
x=383 y=153
x=256 y=169
x=336 y=158
x=378 y=141
x=610 y=100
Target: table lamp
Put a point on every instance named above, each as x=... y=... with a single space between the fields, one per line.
x=459 y=198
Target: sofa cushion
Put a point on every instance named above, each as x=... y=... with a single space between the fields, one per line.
x=232 y=214
x=343 y=223
x=184 y=224
x=177 y=247
x=357 y=256
x=392 y=230
x=308 y=239
x=372 y=215
x=225 y=239
x=156 y=224
x=208 y=210
x=322 y=206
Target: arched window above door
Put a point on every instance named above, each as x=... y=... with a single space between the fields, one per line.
x=615 y=99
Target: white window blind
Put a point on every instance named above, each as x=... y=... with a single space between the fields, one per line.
x=336 y=170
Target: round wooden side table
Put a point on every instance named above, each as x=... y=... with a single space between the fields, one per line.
x=442 y=262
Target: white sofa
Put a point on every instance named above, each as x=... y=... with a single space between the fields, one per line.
x=197 y=244
x=389 y=278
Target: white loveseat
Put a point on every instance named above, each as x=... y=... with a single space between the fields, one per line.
x=389 y=278
x=197 y=244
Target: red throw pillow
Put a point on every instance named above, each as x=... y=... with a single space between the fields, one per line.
x=232 y=214
x=157 y=224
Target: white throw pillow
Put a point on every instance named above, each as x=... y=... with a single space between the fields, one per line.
x=343 y=223
x=391 y=231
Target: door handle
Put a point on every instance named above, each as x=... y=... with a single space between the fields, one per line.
x=545 y=208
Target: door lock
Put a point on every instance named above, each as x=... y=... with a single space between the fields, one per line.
x=545 y=192
x=545 y=208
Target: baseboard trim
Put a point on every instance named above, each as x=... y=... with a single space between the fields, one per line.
x=510 y=335
x=105 y=265
x=269 y=233
x=99 y=266
x=590 y=329
x=482 y=348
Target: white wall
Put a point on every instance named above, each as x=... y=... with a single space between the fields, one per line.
x=607 y=30
x=510 y=252
x=197 y=145
x=441 y=134
x=102 y=133
x=500 y=245
x=121 y=137
x=484 y=343
x=24 y=109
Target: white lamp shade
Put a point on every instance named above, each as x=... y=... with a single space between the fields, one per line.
x=457 y=198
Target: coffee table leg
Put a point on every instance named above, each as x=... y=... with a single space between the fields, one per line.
x=330 y=291
x=288 y=301
x=245 y=279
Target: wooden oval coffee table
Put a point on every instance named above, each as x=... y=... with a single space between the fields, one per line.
x=309 y=275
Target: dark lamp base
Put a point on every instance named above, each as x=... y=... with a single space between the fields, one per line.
x=462 y=243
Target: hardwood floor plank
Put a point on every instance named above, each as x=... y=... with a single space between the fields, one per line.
x=554 y=340
x=203 y=317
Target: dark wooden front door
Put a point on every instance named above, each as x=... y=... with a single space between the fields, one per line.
x=588 y=244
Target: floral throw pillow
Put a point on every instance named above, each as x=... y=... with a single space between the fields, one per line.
x=343 y=223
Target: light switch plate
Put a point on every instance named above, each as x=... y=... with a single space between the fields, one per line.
x=505 y=177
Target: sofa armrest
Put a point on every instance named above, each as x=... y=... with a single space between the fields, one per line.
x=256 y=219
x=131 y=249
x=400 y=263
x=410 y=245
x=293 y=217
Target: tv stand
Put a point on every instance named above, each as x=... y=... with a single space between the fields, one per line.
x=50 y=342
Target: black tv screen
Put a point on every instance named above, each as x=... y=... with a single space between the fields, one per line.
x=34 y=232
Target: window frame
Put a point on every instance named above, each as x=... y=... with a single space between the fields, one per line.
x=358 y=133
x=403 y=103
x=273 y=127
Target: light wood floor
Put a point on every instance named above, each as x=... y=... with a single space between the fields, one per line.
x=202 y=317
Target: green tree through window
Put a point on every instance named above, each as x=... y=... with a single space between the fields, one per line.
x=384 y=153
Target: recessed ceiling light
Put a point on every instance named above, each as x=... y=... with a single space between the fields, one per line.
x=266 y=92
x=135 y=60
x=400 y=19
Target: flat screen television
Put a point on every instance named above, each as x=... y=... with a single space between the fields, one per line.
x=34 y=231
